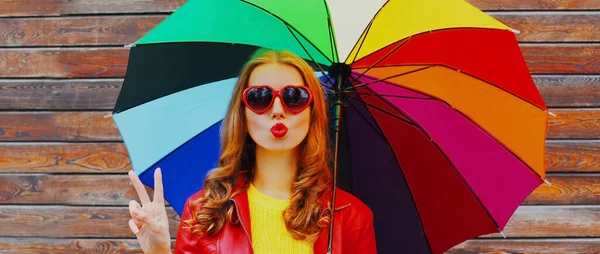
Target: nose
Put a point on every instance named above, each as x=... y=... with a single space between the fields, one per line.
x=277 y=111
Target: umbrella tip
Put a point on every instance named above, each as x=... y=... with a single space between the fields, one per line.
x=129 y=45
x=502 y=233
x=108 y=115
x=515 y=31
x=552 y=114
x=547 y=182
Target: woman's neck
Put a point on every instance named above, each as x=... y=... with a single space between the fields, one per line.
x=275 y=172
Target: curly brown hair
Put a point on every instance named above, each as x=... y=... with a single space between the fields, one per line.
x=305 y=216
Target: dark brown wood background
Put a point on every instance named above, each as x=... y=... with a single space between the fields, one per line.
x=63 y=182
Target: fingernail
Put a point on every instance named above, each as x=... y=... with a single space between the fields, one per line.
x=135 y=231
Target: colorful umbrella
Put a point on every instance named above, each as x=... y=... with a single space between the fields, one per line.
x=438 y=125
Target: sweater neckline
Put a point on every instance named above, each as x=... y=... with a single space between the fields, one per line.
x=256 y=197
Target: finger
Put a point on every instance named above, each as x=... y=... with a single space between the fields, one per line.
x=139 y=188
x=133 y=227
x=158 y=187
x=141 y=217
x=134 y=209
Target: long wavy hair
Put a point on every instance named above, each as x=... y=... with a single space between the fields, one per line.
x=305 y=216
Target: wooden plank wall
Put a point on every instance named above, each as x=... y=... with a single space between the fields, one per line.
x=63 y=183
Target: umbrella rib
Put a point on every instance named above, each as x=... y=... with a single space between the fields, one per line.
x=392 y=96
x=332 y=41
x=287 y=24
x=416 y=124
x=382 y=80
x=369 y=123
x=381 y=59
x=393 y=76
x=366 y=32
x=388 y=113
x=316 y=63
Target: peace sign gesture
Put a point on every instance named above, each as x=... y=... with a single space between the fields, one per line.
x=149 y=222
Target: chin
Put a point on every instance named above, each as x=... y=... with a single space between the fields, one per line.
x=287 y=142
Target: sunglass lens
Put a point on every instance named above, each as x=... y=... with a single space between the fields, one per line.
x=259 y=98
x=296 y=98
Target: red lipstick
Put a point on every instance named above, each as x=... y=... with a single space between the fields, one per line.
x=279 y=130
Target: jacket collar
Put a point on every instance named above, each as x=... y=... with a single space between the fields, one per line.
x=241 y=203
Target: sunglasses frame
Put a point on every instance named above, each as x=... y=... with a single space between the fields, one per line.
x=277 y=93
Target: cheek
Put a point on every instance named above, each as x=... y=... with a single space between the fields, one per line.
x=302 y=122
x=252 y=120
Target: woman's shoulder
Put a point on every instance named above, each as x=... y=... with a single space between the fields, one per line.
x=195 y=196
x=190 y=203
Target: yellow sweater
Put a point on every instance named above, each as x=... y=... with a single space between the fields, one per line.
x=269 y=234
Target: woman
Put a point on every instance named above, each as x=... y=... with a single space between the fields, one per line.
x=270 y=191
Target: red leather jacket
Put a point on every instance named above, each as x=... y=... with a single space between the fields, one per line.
x=353 y=229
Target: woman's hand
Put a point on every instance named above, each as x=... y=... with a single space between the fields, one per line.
x=149 y=221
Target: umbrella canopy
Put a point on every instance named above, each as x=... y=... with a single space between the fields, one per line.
x=441 y=128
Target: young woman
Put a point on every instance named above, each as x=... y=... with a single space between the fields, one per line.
x=271 y=190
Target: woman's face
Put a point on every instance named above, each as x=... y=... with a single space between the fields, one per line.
x=263 y=127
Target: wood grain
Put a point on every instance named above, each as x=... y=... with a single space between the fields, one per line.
x=61 y=7
x=53 y=126
x=58 y=7
x=67 y=189
x=123 y=30
x=68 y=246
x=567 y=190
x=562 y=58
x=553 y=27
x=64 y=158
x=101 y=94
x=111 y=222
x=574 y=123
x=572 y=156
x=67 y=31
x=78 y=189
x=64 y=221
x=536 y=4
x=553 y=221
x=522 y=246
x=64 y=63
x=46 y=94
x=569 y=91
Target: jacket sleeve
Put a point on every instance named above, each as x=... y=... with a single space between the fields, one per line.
x=366 y=237
x=186 y=242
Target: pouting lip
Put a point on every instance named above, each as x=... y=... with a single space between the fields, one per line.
x=279 y=130
x=279 y=125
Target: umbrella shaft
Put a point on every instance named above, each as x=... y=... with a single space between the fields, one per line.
x=337 y=127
